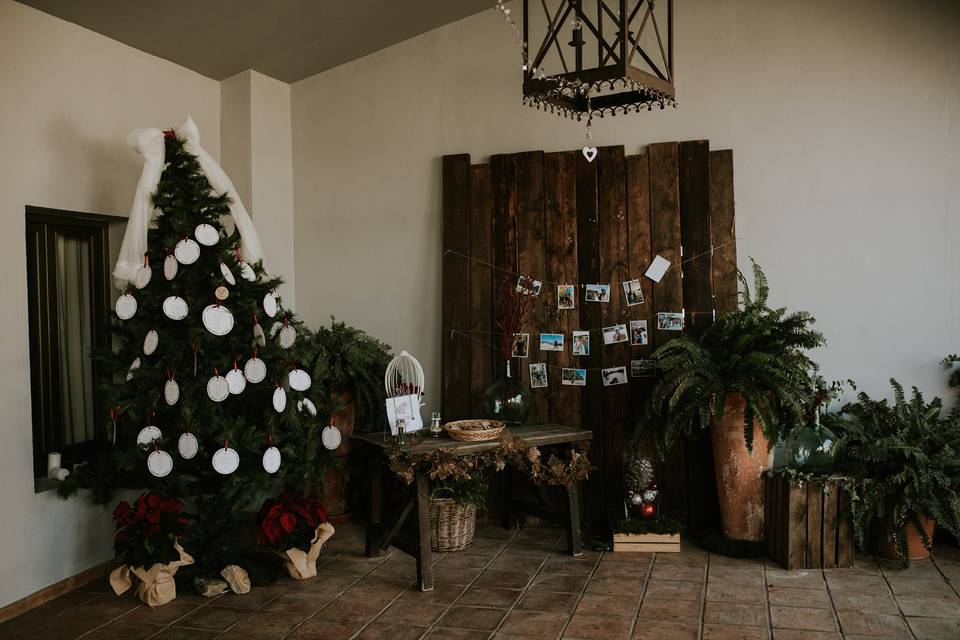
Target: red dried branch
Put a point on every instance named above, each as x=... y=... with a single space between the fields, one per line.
x=513 y=307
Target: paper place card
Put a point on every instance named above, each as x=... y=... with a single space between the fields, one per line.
x=407 y=409
x=657 y=268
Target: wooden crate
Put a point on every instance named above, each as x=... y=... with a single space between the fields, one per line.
x=647 y=542
x=807 y=525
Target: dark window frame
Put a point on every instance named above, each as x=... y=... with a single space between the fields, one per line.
x=42 y=226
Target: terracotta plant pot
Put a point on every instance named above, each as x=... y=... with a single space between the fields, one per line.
x=739 y=473
x=335 y=480
x=887 y=548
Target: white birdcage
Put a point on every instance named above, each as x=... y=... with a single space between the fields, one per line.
x=404 y=376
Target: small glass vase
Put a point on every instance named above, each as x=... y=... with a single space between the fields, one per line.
x=507 y=400
x=810 y=449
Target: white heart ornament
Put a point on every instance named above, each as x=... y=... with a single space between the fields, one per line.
x=307 y=405
x=255 y=370
x=271 y=460
x=143 y=277
x=175 y=308
x=187 y=445
x=170 y=267
x=148 y=434
x=331 y=437
x=247 y=272
x=299 y=379
x=590 y=153
x=171 y=392
x=227 y=274
x=279 y=399
x=225 y=461
x=270 y=306
x=126 y=306
x=133 y=367
x=236 y=381
x=159 y=463
x=187 y=251
x=206 y=235
x=217 y=388
x=217 y=319
x=150 y=342
x=288 y=335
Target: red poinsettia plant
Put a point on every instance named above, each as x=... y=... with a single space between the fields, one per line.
x=148 y=529
x=289 y=521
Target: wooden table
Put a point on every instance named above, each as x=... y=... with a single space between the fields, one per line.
x=417 y=542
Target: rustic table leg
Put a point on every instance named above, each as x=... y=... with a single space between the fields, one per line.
x=506 y=500
x=375 y=475
x=424 y=553
x=574 y=537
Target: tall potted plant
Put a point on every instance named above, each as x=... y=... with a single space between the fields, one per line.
x=746 y=378
x=905 y=458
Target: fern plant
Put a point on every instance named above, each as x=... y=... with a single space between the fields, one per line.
x=755 y=351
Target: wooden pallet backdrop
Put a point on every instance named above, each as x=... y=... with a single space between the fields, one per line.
x=558 y=218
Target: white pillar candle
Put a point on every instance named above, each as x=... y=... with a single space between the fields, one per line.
x=53 y=460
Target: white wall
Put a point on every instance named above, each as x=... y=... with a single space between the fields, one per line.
x=68 y=98
x=844 y=119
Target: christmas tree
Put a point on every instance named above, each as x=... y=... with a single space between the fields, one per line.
x=207 y=386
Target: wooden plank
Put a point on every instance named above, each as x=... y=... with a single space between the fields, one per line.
x=695 y=233
x=481 y=285
x=845 y=540
x=723 y=231
x=503 y=175
x=531 y=260
x=561 y=261
x=455 y=397
x=646 y=547
x=424 y=554
x=814 y=525
x=769 y=509
x=797 y=526
x=830 y=510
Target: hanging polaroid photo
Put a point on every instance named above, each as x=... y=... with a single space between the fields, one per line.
x=670 y=321
x=551 y=342
x=580 y=346
x=566 y=296
x=614 y=376
x=638 y=333
x=633 y=292
x=574 y=377
x=528 y=286
x=597 y=293
x=643 y=368
x=657 y=268
x=538 y=375
x=521 y=345
x=616 y=333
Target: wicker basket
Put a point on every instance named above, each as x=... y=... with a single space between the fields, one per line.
x=474 y=430
x=451 y=524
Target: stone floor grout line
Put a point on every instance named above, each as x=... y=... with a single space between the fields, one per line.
x=946 y=579
x=893 y=595
x=703 y=598
x=643 y=592
x=833 y=605
x=766 y=597
x=583 y=590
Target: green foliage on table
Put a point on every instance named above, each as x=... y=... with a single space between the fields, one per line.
x=905 y=457
x=660 y=524
x=756 y=351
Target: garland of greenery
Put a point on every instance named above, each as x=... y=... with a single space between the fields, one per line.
x=662 y=524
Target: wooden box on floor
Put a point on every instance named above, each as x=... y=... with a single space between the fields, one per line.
x=807 y=525
x=647 y=542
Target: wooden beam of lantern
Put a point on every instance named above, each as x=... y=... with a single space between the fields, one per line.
x=633 y=53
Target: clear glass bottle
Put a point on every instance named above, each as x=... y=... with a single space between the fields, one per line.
x=435 y=424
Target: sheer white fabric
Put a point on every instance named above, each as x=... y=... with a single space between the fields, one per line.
x=75 y=337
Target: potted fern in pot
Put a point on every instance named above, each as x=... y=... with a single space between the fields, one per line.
x=905 y=460
x=747 y=379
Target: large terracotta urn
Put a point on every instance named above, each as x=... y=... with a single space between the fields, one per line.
x=739 y=472
x=336 y=479
x=885 y=546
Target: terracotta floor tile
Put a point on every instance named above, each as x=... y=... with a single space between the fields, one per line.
x=182 y=633
x=803 y=634
x=166 y=614
x=386 y=631
x=121 y=630
x=856 y=582
x=725 y=632
x=676 y=610
x=674 y=589
x=533 y=624
x=608 y=605
x=559 y=582
x=298 y=602
x=691 y=557
x=490 y=597
x=632 y=570
x=327 y=585
x=889 y=627
x=412 y=613
x=211 y=617
x=791 y=597
x=589 y=627
x=935 y=628
x=69 y=625
x=731 y=613
x=805 y=579
x=373 y=587
x=660 y=630
x=930 y=606
x=268 y=624
x=460 y=576
x=466 y=617
x=517 y=564
x=871 y=602
x=812 y=619
x=441 y=594
x=616 y=586
x=569 y=565
x=725 y=592
x=678 y=572
x=916 y=586
x=320 y=628
x=444 y=633
x=503 y=580
x=547 y=601
x=463 y=561
x=347 y=607
x=641 y=558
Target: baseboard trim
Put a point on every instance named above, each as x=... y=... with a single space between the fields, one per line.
x=55 y=590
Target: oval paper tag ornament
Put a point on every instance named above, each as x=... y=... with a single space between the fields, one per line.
x=148 y=434
x=206 y=234
x=271 y=460
x=217 y=319
x=299 y=379
x=133 y=367
x=171 y=392
x=279 y=399
x=159 y=463
x=226 y=461
x=126 y=306
x=288 y=335
x=307 y=405
x=331 y=437
x=142 y=279
x=187 y=445
x=187 y=251
x=270 y=305
x=227 y=274
x=247 y=272
x=175 y=308
x=150 y=342
x=258 y=335
x=170 y=267
x=236 y=381
x=217 y=388
x=255 y=370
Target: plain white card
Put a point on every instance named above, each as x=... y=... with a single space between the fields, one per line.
x=657 y=268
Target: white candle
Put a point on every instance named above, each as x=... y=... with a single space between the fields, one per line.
x=53 y=460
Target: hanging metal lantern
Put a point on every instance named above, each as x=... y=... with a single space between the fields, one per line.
x=618 y=59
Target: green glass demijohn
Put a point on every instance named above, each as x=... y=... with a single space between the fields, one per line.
x=507 y=400
x=810 y=448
